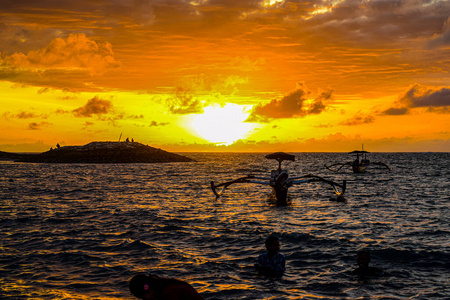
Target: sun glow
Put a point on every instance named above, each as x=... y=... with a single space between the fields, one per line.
x=271 y=2
x=222 y=124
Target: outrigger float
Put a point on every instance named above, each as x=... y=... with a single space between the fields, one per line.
x=280 y=182
x=359 y=165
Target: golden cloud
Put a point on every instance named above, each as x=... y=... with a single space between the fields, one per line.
x=76 y=51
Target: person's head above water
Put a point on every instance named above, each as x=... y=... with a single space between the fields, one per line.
x=140 y=285
x=364 y=270
x=272 y=245
x=271 y=263
x=363 y=258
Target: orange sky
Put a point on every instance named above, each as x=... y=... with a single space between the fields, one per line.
x=216 y=75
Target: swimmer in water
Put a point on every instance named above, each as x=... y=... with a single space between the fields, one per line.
x=271 y=263
x=152 y=287
x=364 y=270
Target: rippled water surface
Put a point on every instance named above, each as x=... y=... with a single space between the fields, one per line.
x=81 y=231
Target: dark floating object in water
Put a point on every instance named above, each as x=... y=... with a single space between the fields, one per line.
x=359 y=165
x=279 y=180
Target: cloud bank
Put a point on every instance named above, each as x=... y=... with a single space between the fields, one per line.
x=63 y=63
x=419 y=96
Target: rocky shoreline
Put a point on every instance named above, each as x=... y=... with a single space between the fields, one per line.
x=100 y=152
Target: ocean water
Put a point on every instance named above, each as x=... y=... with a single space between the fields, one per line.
x=81 y=231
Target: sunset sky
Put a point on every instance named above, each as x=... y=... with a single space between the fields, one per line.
x=219 y=75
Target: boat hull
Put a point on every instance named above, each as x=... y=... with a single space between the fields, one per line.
x=280 y=196
x=359 y=169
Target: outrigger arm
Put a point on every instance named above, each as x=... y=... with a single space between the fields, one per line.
x=339 y=189
x=381 y=164
x=350 y=164
x=341 y=166
x=246 y=179
x=227 y=184
x=313 y=178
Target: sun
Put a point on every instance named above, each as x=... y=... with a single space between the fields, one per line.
x=222 y=124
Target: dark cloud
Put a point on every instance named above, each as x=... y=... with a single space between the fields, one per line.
x=441 y=38
x=324 y=126
x=184 y=102
x=359 y=119
x=43 y=90
x=116 y=117
x=396 y=111
x=295 y=104
x=38 y=126
x=68 y=97
x=379 y=22
x=69 y=79
x=94 y=106
x=439 y=110
x=23 y=115
x=420 y=96
x=156 y=124
x=435 y=99
x=61 y=111
x=136 y=116
x=356 y=20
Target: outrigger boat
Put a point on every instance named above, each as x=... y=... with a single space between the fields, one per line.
x=359 y=165
x=280 y=181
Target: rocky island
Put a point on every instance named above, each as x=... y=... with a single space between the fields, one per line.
x=100 y=152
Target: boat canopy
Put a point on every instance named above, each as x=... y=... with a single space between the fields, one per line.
x=358 y=152
x=280 y=156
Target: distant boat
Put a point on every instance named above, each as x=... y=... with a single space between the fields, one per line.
x=359 y=164
x=279 y=180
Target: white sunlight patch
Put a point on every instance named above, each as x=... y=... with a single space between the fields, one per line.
x=222 y=124
x=271 y=2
